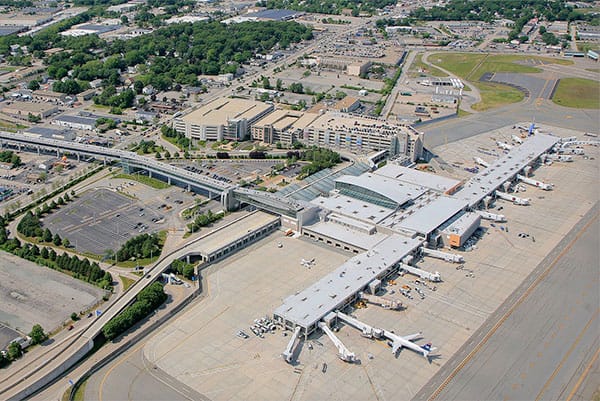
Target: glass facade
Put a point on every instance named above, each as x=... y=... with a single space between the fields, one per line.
x=365 y=194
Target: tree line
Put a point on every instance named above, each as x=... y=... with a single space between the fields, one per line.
x=328 y=6
x=141 y=247
x=146 y=301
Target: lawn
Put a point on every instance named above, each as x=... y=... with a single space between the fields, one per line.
x=144 y=179
x=418 y=64
x=126 y=281
x=496 y=95
x=471 y=67
x=577 y=92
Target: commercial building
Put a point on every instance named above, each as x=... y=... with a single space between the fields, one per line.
x=51 y=133
x=49 y=96
x=347 y=104
x=221 y=119
x=23 y=110
x=84 y=121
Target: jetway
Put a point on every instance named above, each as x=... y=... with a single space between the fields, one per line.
x=433 y=277
x=385 y=303
x=580 y=143
x=366 y=330
x=514 y=199
x=289 y=350
x=561 y=158
x=571 y=151
x=447 y=256
x=535 y=183
x=498 y=218
x=343 y=352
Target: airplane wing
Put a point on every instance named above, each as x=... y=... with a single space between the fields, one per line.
x=395 y=347
x=411 y=337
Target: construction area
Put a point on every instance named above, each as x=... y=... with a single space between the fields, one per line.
x=285 y=277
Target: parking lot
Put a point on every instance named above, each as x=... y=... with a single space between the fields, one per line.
x=32 y=294
x=103 y=219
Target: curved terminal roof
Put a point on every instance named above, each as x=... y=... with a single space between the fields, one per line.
x=377 y=189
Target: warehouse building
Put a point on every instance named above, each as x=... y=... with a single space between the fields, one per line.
x=23 y=110
x=221 y=119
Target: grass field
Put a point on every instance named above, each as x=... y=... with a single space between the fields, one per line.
x=419 y=65
x=578 y=92
x=126 y=281
x=471 y=67
x=151 y=182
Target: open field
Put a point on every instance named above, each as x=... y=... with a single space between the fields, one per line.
x=144 y=179
x=495 y=95
x=577 y=92
x=417 y=67
x=31 y=294
x=472 y=67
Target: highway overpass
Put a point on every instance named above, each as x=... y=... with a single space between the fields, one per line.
x=230 y=195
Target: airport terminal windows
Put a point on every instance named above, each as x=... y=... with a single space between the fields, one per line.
x=366 y=195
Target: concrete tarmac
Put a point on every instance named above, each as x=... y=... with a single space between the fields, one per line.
x=133 y=378
x=543 y=342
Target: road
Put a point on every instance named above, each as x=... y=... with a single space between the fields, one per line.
x=391 y=99
x=543 y=342
x=51 y=365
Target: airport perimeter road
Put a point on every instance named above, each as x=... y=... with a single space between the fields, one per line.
x=543 y=342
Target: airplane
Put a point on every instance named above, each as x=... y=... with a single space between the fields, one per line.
x=503 y=145
x=517 y=139
x=397 y=342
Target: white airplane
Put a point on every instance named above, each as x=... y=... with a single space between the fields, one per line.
x=307 y=263
x=397 y=342
x=503 y=145
x=517 y=139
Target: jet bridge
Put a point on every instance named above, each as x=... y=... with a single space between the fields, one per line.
x=385 y=303
x=343 y=353
x=514 y=199
x=535 y=183
x=366 y=330
x=433 y=277
x=289 y=350
x=446 y=256
x=498 y=218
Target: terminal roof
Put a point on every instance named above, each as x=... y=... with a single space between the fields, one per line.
x=311 y=304
x=505 y=168
x=348 y=206
x=416 y=177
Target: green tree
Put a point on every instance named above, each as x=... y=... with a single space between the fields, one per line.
x=14 y=351
x=33 y=85
x=56 y=240
x=47 y=237
x=74 y=316
x=66 y=243
x=37 y=334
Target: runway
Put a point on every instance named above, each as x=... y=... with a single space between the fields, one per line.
x=543 y=342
